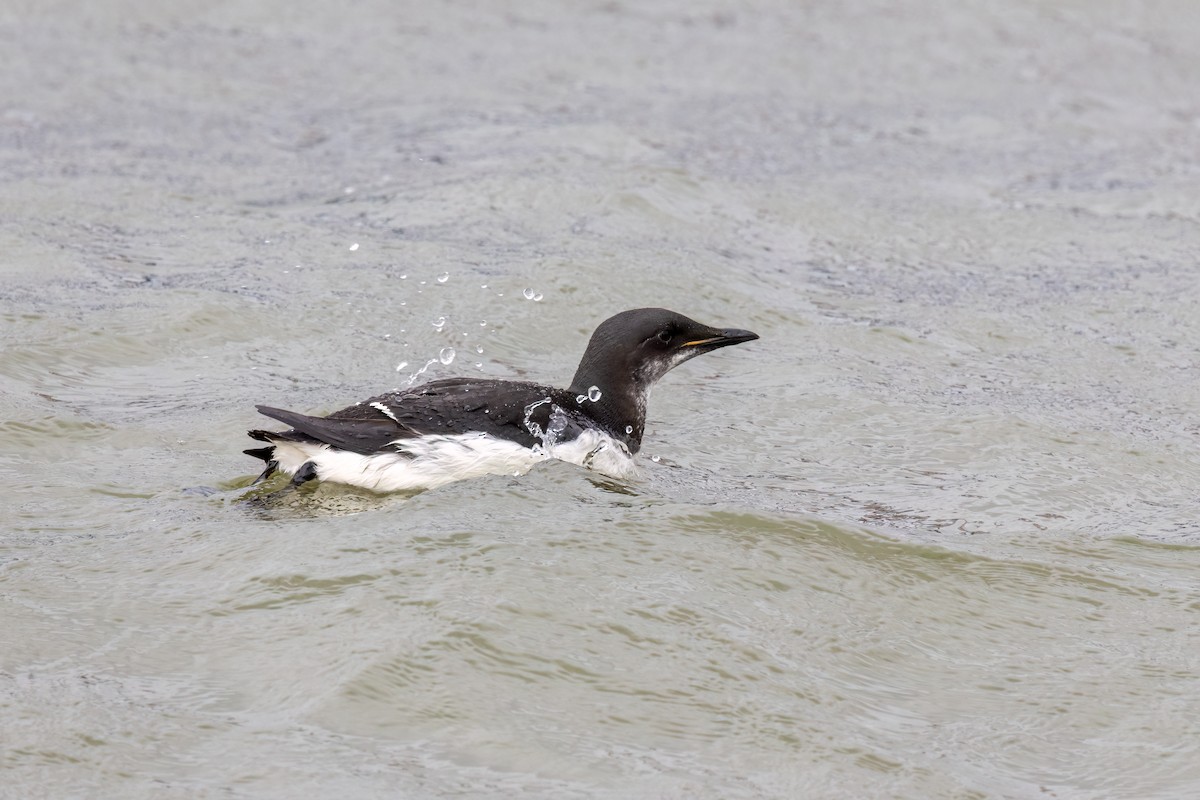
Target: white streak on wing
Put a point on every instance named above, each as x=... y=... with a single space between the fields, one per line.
x=387 y=412
x=432 y=461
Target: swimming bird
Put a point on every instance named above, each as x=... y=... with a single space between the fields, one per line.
x=456 y=428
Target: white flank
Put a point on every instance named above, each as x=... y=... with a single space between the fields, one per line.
x=432 y=461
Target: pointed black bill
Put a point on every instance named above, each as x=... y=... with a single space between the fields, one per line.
x=722 y=338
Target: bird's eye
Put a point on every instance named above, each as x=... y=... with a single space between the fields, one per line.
x=664 y=336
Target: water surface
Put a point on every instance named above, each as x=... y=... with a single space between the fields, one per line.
x=933 y=535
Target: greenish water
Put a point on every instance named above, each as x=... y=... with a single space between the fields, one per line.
x=934 y=535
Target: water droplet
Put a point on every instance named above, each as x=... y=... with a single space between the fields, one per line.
x=537 y=298
x=445 y=276
x=479 y=348
x=594 y=393
x=628 y=429
x=439 y=323
x=579 y=398
x=403 y=277
x=354 y=247
x=478 y=365
x=656 y=459
x=348 y=190
x=401 y=365
x=528 y=294
x=446 y=355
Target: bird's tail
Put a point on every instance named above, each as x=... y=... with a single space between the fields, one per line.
x=267 y=454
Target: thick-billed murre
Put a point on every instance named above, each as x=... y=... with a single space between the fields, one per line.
x=458 y=428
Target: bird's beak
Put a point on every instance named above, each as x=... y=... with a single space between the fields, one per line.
x=722 y=338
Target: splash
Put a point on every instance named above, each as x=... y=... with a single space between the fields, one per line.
x=412 y=378
x=533 y=427
x=556 y=424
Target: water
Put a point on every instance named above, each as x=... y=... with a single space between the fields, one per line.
x=933 y=535
x=592 y=396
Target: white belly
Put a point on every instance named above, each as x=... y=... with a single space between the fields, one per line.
x=437 y=460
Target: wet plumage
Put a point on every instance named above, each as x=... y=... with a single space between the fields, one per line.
x=460 y=427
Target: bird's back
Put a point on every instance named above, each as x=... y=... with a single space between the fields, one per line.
x=514 y=410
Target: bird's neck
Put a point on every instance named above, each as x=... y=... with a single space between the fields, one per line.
x=621 y=410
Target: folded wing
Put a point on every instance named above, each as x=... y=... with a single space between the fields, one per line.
x=454 y=406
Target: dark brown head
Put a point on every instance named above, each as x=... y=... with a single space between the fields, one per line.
x=630 y=351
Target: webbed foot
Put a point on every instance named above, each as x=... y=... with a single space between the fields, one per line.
x=266 y=473
x=307 y=472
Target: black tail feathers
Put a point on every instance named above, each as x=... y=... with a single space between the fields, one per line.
x=265 y=453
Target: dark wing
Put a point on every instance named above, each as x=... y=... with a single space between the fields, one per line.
x=505 y=409
x=363 y=436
